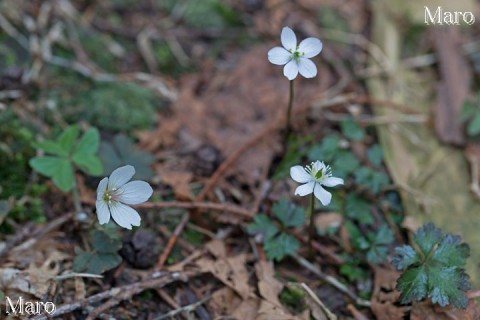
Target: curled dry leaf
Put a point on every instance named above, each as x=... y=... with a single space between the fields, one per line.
x=385 y=296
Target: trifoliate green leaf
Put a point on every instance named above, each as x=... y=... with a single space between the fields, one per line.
x=345 y=163
x=427 y=237
x=288 y=214
x=95 y=263
x=405 y=257
x=105 y=243
x=359 y=209
x=371 y=179
x=379 y=242
x=278 y=247
x=413 y=284
x=262 y=225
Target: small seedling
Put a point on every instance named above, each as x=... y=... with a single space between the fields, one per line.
x=433 y=268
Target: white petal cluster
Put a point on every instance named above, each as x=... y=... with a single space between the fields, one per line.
x=115 y=192
x=313 y=178
x=296 y=58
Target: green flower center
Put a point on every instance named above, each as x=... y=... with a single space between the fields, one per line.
x=296 y=55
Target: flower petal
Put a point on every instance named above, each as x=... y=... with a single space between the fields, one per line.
x=134 y=192
x=323 y=195
x=289 y=40
x=290 y=70
x=103 y=213
x=307 y=68
x=332 y=182
x=120 y=176
x=299 y=174
x=279 y=56
x=305 y=189
x=124 y=216
x=102 y=187
x=310 y=47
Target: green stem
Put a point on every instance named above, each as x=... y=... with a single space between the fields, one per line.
x=311 y=229
x=289 y=113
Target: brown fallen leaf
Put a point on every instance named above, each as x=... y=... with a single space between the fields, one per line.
x=385 y=296
x=268 y=286
x=427 y=311
x=328 y=220
x=180 y=183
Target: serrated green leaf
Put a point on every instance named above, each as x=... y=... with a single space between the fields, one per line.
x=451 y=251
x=404 y=257
x=288 y=214
x=51 y=147
x=68 y=138
x=375 y=155
x=63 y=176
x=413 y=285
x=359 y=209
x=384 y=235
x=46 y=165
x=262 y=225
x=351 y=130
x=447 y=285
x=326 y=150
x=91 y=164
x=377 y=253
x=278 y=247
x=89 y=143
x=473 y=127
x=356 y=237
x=427 y=237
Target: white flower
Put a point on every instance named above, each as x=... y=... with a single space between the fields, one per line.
x=296 y=58
x=113 y=193
x=314 y=177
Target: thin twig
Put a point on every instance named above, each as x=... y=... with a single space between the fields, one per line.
x=120 y=294
x=171 y=242
x=70 y=275
x=188 y=308
x=330 y=280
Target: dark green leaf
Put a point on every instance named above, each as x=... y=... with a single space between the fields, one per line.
x=404 y=257
x=413 y=285
x=352 y=130
x=447 y=285
x=278 y=247
x=68 y=138
x=384 y=235
x=371 y=179
x=375 y=155
x=104 y=243
x=356 y=237
x=262 y=225
x=377 y=253
x=91 y=164
x=451 y=251
x=122 y=152
x=95 y=263
x=88 y=144
x=359 y=209
x=289 y=214
x=427 y=237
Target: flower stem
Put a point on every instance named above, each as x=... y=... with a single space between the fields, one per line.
x=311 y=229
x=76 y=200
x=289 y=113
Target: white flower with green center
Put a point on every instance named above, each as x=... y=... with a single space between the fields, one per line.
x=115 y=192
x=296 y=58
x=314 y=177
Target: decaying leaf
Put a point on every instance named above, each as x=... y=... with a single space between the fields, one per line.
x=385 y=296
